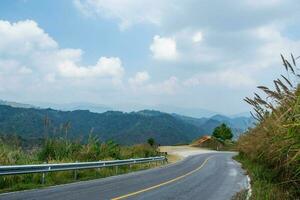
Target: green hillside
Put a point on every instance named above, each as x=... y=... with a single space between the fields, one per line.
x=124 y=128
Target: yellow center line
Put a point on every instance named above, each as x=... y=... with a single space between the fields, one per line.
x=162 y=184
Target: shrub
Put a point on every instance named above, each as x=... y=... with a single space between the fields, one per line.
x=275 y=142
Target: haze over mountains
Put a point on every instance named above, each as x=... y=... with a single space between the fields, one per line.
x=125 y=128
x=130 y=107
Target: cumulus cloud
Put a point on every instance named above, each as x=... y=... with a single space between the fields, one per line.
x=139 y=79
x=23 y=37
x=105 y=67
x=141 y=85
x=164 y=48
x=30 y=58
x=169 y=86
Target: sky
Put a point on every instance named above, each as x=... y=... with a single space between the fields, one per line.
x=186 y=54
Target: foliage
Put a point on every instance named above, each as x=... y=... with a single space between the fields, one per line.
x=64 y=150
x=264 y=184
x=274 y=143
x=223 y=132
x=124 y=128
x=151 y=141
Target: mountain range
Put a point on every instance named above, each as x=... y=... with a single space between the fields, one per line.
x=206 y=125
x=30 y=122
x=126 y=107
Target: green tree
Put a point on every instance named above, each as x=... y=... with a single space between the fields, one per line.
x=151 y=141
x=223 y=132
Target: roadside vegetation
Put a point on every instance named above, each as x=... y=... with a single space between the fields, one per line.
x=60 y=150
x=220 y=140
x=270 y=152
x=223 y=132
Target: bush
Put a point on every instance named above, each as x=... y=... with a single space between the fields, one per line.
x=275 y=142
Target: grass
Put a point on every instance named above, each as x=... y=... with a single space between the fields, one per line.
x=271 y=150
x=59 y=150
x=33 y=181
x=264 y=183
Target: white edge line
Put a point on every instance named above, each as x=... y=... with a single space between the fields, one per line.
x=249 y=188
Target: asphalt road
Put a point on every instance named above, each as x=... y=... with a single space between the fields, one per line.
x=212 y=176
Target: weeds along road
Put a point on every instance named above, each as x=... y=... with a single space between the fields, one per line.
x=208 y=176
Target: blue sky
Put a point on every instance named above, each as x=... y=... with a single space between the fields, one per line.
x=144 y=53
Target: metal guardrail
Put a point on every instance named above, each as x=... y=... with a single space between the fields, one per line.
x=43 y=168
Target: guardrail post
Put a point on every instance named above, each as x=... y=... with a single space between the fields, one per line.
x=99 y=169
x=43 y=176
x=116 y=169
x=130 y=166
x=75 y=173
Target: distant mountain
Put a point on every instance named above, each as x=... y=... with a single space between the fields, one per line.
x=15 y=104
x=126 y=107
x=243 y=114
x=193 y=112
x=98 y=108
x=124 y=128
x=238 y=124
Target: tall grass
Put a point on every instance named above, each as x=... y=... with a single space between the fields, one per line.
x=58 y=150
x=274 y=144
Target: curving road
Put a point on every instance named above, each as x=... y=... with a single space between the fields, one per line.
x=210 y=176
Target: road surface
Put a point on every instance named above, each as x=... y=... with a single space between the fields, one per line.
x=209 y=176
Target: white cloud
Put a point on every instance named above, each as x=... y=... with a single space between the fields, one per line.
x=198 y=36
x=272 y=44
x=229 y=78
x=105 y=67
x=139 y=79
x=126 y=12
x=23 y=37
x=140 y=85
x=30 y=59
x=26 y=43
x=50 y=77
x=25 y=70
x=164 y=48
x=169 y=86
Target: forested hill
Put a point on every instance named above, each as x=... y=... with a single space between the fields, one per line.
x=124 y=128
